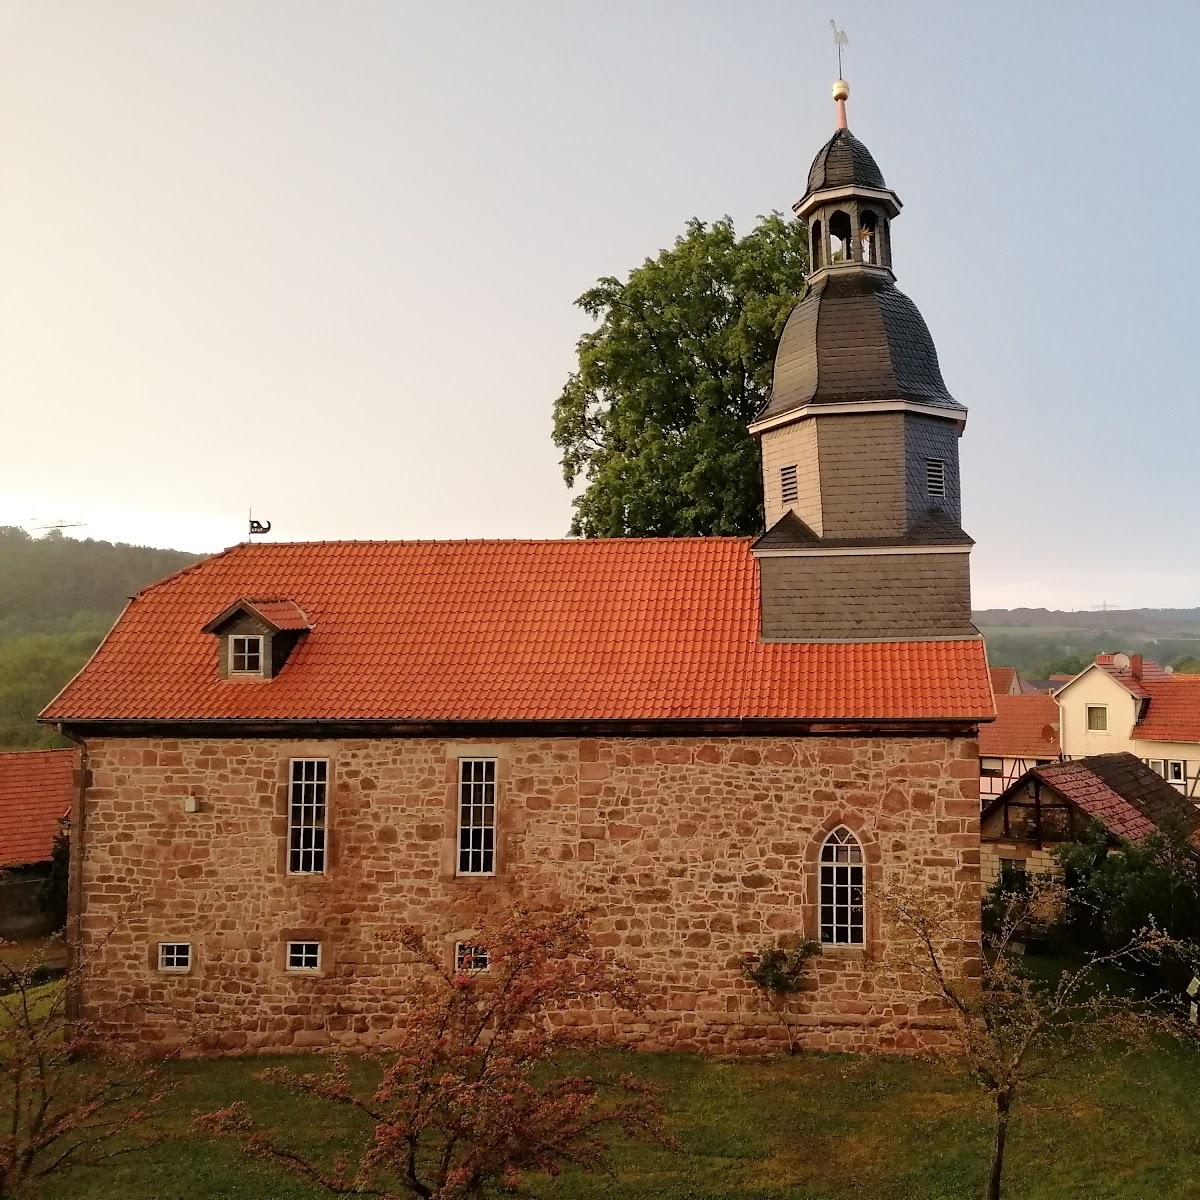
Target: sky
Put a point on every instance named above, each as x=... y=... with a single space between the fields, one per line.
x=319 y=260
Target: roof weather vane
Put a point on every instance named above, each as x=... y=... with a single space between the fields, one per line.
x=840 y=39
x=258 y=526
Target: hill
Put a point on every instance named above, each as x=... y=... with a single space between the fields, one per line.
x=58 y=597
x=1041 y=641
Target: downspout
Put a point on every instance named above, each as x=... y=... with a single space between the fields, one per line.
x=74 y=931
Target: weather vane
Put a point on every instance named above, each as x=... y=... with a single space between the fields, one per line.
x=258 y=526
x=840 y=39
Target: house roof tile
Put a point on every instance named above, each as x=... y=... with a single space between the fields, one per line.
x=36 y=788
x=1129 y=799
x=1025 y=727
x=646 y=628
x=1173 y=713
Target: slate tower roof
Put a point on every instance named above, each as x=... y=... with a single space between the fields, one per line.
x=859 y=435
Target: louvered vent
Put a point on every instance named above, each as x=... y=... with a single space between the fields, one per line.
x=788 y=491
x=935 y=476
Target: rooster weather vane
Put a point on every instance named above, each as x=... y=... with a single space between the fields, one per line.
x=840 y=39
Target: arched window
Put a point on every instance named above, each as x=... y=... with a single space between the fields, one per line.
x=839 y=236
x=843 y=915
x=868 y=236
x=814 y=247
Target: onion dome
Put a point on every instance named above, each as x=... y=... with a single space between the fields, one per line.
x=844 y=162
x=855 y=337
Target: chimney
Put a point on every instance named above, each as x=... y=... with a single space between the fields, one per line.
x=1135 y=665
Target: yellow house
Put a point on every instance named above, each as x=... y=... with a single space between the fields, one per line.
x=1126 y=704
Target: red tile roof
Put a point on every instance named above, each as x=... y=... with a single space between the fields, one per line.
x=283 y=615
x=36 y=789
x=636 y=628
x=1118 y=790
x=1002 y=679
x=1173 y=714
x=1025 y=727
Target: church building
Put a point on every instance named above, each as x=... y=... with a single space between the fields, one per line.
x=288 y=749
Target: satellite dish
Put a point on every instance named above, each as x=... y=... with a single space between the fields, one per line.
x=1121 y=662
x=1169 y=670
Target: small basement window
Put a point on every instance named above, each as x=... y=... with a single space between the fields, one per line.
x=304 y=956
x=935 y=476
x=174 y=956
x=789 y=491
x=1097 y=718
x=469 y=958
x=245 y=654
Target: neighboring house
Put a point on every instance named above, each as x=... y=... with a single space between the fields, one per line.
x=1006 y=681
x=1126 y=703
x=36 y=791
x=1023 y=735
x=719 y=741
x=1058 y=802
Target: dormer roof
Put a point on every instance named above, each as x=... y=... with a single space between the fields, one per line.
x=281 y=616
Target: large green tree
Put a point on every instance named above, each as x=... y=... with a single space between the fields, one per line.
x=654 y=418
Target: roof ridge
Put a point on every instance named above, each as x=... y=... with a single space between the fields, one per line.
x=563 y=541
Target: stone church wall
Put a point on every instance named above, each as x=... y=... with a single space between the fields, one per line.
x=695 y=851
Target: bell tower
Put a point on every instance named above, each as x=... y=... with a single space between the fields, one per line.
x=859 y=436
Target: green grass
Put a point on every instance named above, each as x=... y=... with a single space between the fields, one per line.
x=816 y=1127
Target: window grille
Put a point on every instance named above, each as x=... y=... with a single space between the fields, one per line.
x=935 y=476
x=476 y=816
x=174 y=956
x=788 y=489
x=843 y=916
x=304 y=956
x=245 y=654
x=470 y=958
x=307 y=815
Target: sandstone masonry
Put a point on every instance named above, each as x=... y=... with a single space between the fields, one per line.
x=695 y=850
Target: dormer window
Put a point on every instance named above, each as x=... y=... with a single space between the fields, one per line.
x=255 y=638
x=245 y=654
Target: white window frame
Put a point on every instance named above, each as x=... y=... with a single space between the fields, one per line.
x=246 y=638
x=935 y=477
x=1158 y=766
x=308 y=816
x=468 y=956
x=834 y=873
x=1172 y=764
x=789 y=484
x=1087 y=718
x=174 y=968
x=475 y=837
x=304 y=969
x=991 y=768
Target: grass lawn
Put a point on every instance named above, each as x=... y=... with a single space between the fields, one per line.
x=816 y=1126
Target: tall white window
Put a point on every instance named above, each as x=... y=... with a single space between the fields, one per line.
x=843 y=912
x=476 y=816
x=1097 y=718
x=307 y=815
x=245 y=654
x=935 y=476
